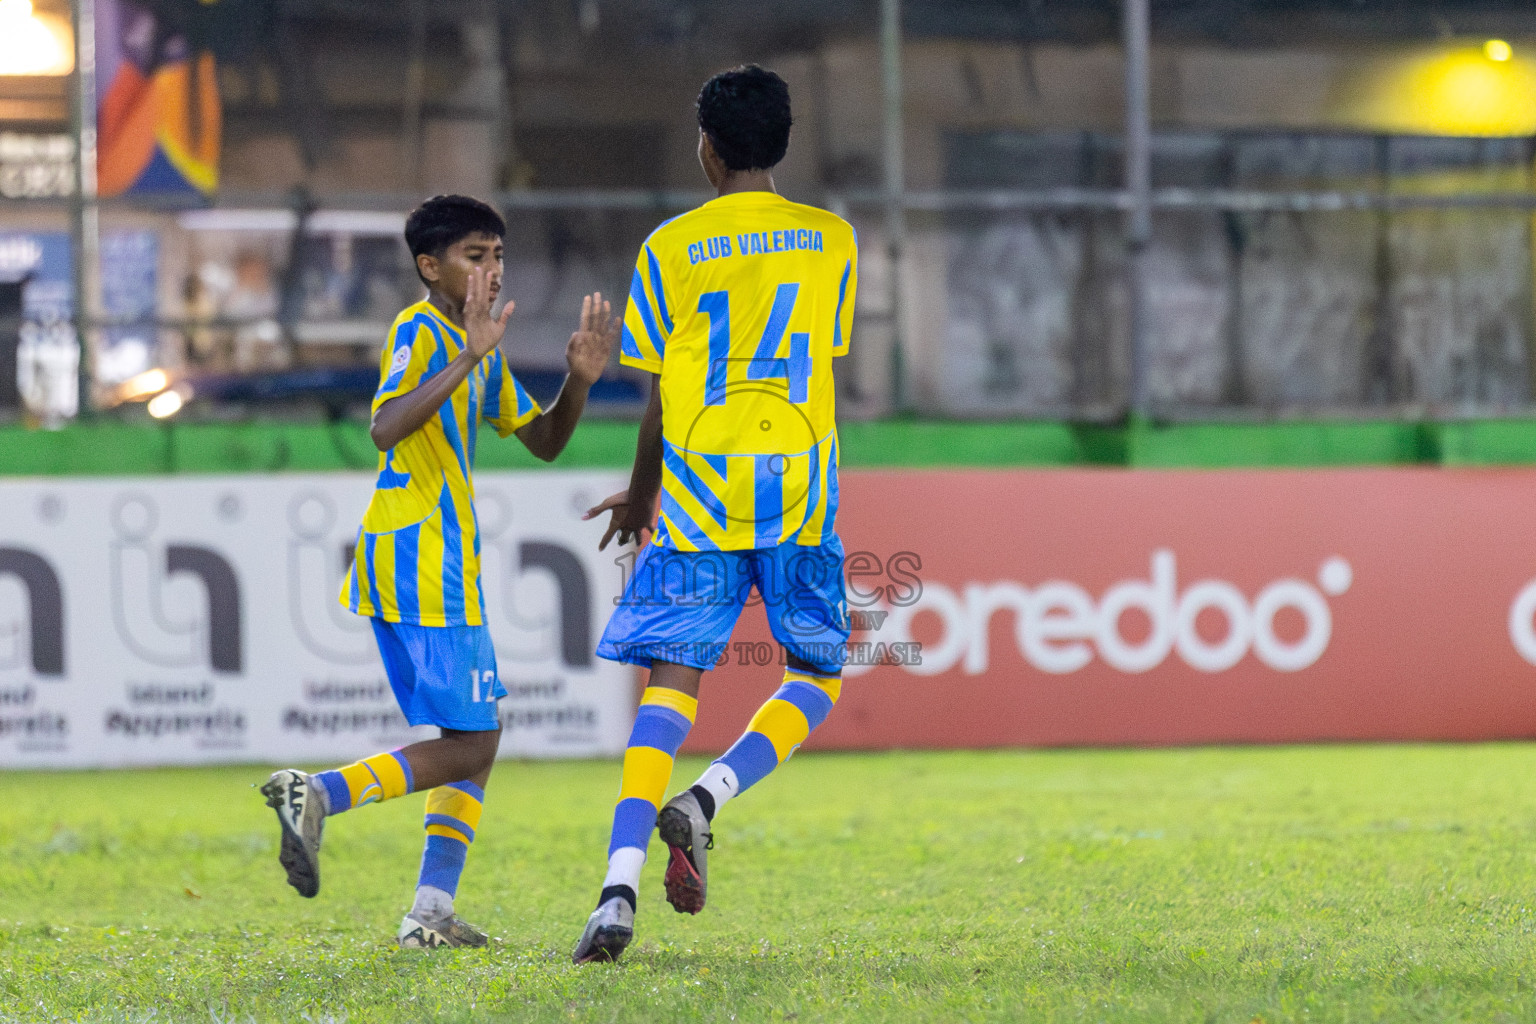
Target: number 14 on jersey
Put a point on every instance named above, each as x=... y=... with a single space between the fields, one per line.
x=766 y=364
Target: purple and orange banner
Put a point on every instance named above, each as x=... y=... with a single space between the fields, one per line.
x=158 y=110
x=1149 y=607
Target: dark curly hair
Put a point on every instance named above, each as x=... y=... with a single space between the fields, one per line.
x=443 y=220
x=745 y=113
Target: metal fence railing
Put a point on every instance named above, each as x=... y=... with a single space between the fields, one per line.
x=1289 y=274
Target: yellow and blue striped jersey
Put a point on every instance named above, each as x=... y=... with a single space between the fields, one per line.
x=418 y=553
x=740 y=306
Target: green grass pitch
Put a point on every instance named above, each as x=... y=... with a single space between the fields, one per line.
x=1344 y=883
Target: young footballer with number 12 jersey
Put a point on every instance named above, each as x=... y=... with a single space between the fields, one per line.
x=738 y=308
x=416 y=570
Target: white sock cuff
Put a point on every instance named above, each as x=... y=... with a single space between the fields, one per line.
x=719 y=779
x=317 y=788
x=624 y=866
x=432 y=904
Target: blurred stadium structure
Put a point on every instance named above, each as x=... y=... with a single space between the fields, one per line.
x=1332 y=212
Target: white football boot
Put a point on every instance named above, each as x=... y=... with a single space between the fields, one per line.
x=295 y=797
x=685 y=830
x=608 y=932
x=418 y=934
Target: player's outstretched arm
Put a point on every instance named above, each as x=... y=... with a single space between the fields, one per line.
x=633 y=512
x=586 y=354
x=403 y=415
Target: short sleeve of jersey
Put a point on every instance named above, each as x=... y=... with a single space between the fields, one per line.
x=405 y=359
x=648 y=317
x=507 y=406
x=843 y=330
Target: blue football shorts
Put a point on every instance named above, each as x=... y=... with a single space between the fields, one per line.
x=680 y=606
x=442 y=675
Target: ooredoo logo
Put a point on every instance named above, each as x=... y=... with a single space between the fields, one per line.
x=1059 y=626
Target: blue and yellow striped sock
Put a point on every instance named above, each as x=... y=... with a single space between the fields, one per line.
x=779 y=727
x=661 y=725
x=369 y=781
x=453 y=814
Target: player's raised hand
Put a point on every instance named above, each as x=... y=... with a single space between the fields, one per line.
x=592 y=343
x=483 y=330
x=619 y=522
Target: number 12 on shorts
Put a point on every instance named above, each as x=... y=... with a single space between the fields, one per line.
x=765 y=364
x=488 y=677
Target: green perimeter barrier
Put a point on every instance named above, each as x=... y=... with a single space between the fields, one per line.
x=107 y=448
x=1488 y=443
x=1298 y=444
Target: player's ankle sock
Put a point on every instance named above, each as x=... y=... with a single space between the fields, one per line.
x=369 y=781
x=453 y=814
x=623 y=878
x=432 y=904
x=778 y=728
x=623 y=892
x=624 y=866
x=717 y=785
x=661 y=725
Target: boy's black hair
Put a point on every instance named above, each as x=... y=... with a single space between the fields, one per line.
x=443 y=220
x=745 y=113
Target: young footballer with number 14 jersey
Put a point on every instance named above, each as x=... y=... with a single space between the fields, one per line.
x=738 y=308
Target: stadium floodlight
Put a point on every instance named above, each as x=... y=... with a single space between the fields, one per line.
x=1498 y=50
x=32 y=43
